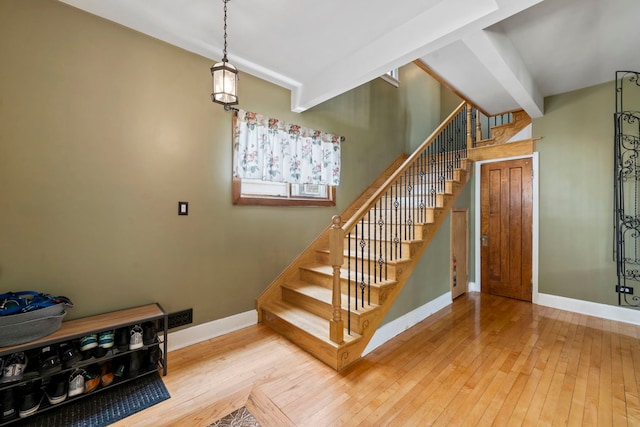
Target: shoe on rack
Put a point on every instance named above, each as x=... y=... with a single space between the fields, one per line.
x=106 y=375
x=99 y=352
x=134 y=365
x=69 y=354
x=149 y=333
x=120 y=366
x=91 y=378
x=135 y=340
x=49 y=360
x=106 y=339
x=88 y=342
x=56 y=390
x=122 y=339
x=76 y=383
x=30 y=399
x=14 y=368
x=151 y=357
x=7 y=405
x=105 y=342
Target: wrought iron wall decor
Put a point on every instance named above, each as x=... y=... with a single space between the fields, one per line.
x=627 y=186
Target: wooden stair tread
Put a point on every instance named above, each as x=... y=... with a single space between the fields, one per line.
x=402 y=260
x=388 y=240
x=328 y=270
x=307 y=322
x=325 y=295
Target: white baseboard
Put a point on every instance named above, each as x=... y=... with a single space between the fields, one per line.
x=215 y=328
x=401 y=324
x=473 y=287
x=610 y=312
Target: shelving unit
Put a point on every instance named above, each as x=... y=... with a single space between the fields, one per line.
x=77 y=328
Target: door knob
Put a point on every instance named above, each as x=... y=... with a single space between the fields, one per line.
x=485 y=240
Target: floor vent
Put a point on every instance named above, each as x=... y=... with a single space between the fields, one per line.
x=179 y=318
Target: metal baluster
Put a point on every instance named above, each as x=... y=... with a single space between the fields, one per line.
x=349 y=283
x=398 y=208
x=362 y=246
x=369 y=258
x=375 y=243
x=386 y=232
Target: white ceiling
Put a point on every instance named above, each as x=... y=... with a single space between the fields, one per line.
x=500 y=54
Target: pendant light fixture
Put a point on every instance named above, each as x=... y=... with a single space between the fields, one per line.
x=225 y=76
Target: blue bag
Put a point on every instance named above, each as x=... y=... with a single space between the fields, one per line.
x=26 y=301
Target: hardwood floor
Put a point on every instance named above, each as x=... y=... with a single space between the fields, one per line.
x=484 y=360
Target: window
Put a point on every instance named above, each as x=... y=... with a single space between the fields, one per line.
x=392 y=77
x=280 y=164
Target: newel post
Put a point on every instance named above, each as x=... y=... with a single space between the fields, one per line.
x=469 y=126
x=336 y=254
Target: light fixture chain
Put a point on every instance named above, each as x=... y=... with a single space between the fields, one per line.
x=224 y=51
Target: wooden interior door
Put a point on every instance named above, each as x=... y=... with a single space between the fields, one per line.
x=506 y=196
x=459 y=260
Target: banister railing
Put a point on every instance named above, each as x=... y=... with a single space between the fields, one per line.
x=381 y=230
x=483 y=124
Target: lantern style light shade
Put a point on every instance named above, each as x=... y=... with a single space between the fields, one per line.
x=225 y=83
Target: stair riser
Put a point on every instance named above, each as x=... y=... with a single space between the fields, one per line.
x=415 y=204
x=430 y=169
x=321 y=308
x=426 y=216
x=400 y=250
x=345 y=287
x=369 y=265
x=436 y=176
x=424 y=187
x=412 y=232
x=320 y=349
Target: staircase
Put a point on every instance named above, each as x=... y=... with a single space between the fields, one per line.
x=331 y=299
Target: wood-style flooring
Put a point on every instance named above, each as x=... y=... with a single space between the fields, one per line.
x=484 y=360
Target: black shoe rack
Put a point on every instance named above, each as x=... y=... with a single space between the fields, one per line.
x=133 y=363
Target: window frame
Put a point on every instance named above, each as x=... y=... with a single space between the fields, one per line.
x=264 y=200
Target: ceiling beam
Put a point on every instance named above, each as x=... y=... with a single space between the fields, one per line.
x=496 y=52
x=443 y=23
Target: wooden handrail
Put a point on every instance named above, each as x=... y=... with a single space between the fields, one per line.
x=392 y=179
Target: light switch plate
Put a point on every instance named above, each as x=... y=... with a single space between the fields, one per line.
x=183 y=208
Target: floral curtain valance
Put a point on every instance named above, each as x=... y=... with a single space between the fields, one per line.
x=272 y=150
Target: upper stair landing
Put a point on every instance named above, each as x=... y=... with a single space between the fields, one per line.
x=496 y=139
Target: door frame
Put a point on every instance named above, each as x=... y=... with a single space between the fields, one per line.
x=534 y=225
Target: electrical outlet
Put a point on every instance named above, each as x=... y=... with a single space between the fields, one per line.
x=624 y=290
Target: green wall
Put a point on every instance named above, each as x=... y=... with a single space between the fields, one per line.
x=103 y=130
x=576 y=195
x=430 y=279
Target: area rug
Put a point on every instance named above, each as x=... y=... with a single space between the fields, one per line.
x=104 y=407
x=238 y=418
